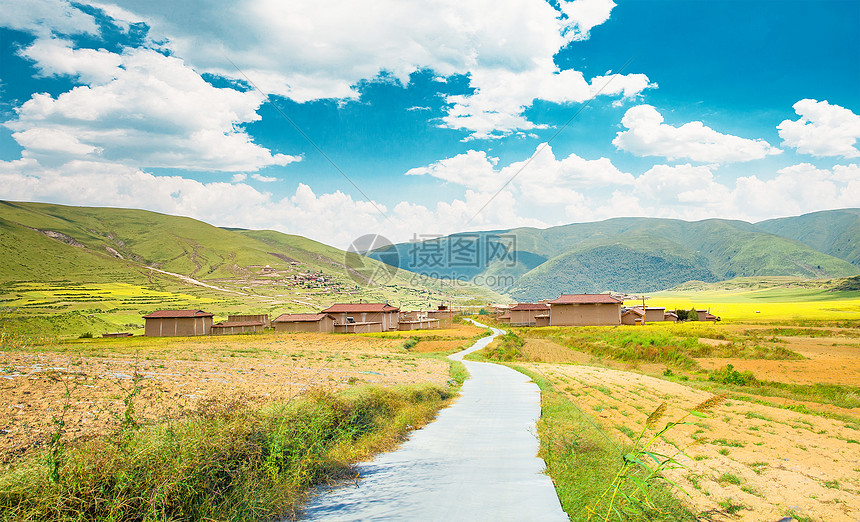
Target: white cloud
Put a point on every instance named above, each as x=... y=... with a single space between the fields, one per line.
x=264 y=179
x=477 y=170
x=693 y=192
x=238 y=178
x=585 y=14
x=683 y=191
x=822 y=130
x=54 y=57
x=647 y=135
x=142 y=109
x=473 y=169
x=44 y=17
x=333 y=218
x=307 y=50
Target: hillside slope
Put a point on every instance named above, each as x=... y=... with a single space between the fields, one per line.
x=103 y=266
x=834 y=232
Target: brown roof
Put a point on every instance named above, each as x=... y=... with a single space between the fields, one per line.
x=522 y=307
x=228 y=324
x=637 y=311
x=360 y=307
x=299 y=318
x=165 y=314
x=585 y=299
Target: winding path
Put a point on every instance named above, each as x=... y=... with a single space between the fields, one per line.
x=476 y=461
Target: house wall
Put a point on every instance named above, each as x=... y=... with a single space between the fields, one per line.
x=388 y=320
x=446 y=317
x=177 y=326
x=525 y=317
x=424 y=324
x=593 y=314
x=233 y=330
x=263 y=318
x=653 y=316
x=542 y=321
x=358 y=328
x=324 y=325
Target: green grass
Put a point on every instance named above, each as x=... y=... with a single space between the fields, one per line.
x=582 y=459
x=41 y=276
x=233 y=462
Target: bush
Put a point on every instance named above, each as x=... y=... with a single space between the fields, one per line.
x=728 y=375
x=505 y=348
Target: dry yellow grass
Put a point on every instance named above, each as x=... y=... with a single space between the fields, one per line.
x=181 y=374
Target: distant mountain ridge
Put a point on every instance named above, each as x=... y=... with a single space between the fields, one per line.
x=648 y=254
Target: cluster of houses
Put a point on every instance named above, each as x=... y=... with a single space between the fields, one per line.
x=588 y=310
x=338 y=318
x=567 y=310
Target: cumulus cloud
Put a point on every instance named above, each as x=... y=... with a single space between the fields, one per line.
x=477 y=170
x=142 y=109
x=334 y=218
x=55 y=57
x=694 y=192
x=539 y=185
x=822 y=130
x=264 y=179
x=585 y=14
x=46 y=17
x=307 y=50
x=647 y=135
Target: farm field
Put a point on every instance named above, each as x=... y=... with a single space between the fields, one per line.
x=785 y=443
x=768 y=300
x=95 y=380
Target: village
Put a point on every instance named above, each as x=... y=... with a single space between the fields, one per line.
x=566 y=310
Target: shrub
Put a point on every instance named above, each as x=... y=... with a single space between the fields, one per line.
x=728 y=375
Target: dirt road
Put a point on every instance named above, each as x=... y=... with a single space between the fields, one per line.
x=477 y=461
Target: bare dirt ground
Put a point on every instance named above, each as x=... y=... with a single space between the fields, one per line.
x=91 y=380
x=757 y=462
x=827 y=360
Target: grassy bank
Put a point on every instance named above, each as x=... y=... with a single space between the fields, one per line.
x=230 y=462
x=583 y=461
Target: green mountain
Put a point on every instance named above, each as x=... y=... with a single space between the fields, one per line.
x=102 y=268
x=621 y=254
x=834 y=232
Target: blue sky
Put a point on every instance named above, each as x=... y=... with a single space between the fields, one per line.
x=337 y=119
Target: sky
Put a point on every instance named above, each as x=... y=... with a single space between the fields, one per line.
x=340 y=118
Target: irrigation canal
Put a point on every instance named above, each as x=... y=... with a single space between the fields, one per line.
x=476 y=461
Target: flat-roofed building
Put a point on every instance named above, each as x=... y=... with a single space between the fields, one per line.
x=524 y=314
x=585 y=310
x=176 y=323
x=263 y=318
x=322 y=323
x=237 y=327
x=383 y=313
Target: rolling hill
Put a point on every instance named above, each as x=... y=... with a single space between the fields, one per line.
x=834 y=232
x=102 y=268
x=637 y=254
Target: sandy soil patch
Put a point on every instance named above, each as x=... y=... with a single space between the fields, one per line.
x=765 y=462
x=828 y=360
x=183 y=374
